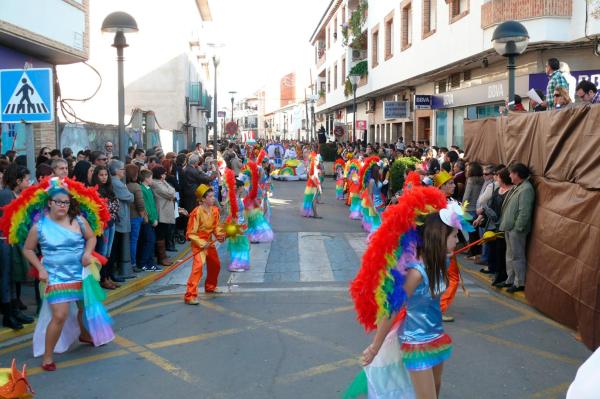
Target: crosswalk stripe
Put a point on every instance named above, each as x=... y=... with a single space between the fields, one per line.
x=314 y=262
x=358 y=242
x=259 y=255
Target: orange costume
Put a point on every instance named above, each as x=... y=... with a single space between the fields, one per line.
x=453 y=280
x=202 y=225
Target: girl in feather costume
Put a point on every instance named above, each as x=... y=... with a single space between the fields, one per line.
x=63 y=217
x=339 y=178
x=397 y=293
x=372 y=199
x=259 y=229
x=238 y=245
x=353 y=183
x=313 y=189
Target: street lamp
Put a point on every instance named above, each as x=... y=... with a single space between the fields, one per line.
x=509 y=40
x=233 y=93
x=354 y=81
x=121 y=23
x=312 y=98
x=216 y=61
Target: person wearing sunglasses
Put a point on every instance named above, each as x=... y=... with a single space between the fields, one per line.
x=561 y=97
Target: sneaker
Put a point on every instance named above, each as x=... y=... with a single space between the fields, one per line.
x=447 y=319
x=152 y=268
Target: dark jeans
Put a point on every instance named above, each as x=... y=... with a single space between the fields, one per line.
x=497 y=257
x=162 y=231
x=147 y=242
x=7 y=288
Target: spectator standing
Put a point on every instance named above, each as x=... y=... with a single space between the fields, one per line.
x=561 y=98
x=537 y=107
x=556 y=79
x=108 y=150
x=147 y=236
x=400 y=144
x=137 y=210
x=165 y=199
x=489 y=185
x=80 y=172
x=60 y=168
x=587 y=92
x=460 y=179
x=192 y=179
x=122 y=224
x=472 y=190
x=517 y=211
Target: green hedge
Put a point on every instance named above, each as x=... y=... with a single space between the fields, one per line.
x=398 y=171
x=328 y=152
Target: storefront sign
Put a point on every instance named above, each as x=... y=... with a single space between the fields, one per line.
x=361 y=125
x=221 y=114
x=540 y=80
x=395 y=110
x=339 y=130
x=422 y=101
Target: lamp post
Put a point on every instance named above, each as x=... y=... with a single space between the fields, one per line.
x=121 y=23
x=354 y=81
x=233 y=93
x=216 y=61
x=510 y=39
x=312 y=98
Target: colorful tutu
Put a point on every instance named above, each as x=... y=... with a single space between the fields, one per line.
x=64 y=292
x=355 y=209
x=259 y=229
x=239 y=253
x=307 y=204
x=339 y=190
x=96 y=319
x=371 y=218
x=426 y=355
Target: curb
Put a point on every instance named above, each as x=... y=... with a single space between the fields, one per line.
x=125 y=290
x=517 y=296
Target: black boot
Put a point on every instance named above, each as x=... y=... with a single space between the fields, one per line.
x=20 y=316
x=20 y=305
x=8 y=320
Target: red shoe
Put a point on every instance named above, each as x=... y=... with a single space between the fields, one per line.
x=49 y=366
x=86 y=341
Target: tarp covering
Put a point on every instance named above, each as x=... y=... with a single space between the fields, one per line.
x=562 y=149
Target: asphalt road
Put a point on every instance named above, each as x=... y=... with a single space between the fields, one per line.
x=287 y=329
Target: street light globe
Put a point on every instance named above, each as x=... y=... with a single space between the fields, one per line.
x=510 y=38
x=354 y=79
x=119 y=21
x=313 y=97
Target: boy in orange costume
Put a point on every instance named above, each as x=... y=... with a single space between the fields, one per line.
x=202 y=225
x=444 y=181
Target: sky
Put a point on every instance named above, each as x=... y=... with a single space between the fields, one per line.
x=264 y=40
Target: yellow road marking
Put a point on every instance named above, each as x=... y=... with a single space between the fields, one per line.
x=340 y=309
x=528 y=312
x=196 y=338
x=168 y=367
x=519 y=296
x=501 y=324
x=82 y=360
x=15 y=347
x=317 y=370
x=128 y=306
x=151 y=306
x=558 y=391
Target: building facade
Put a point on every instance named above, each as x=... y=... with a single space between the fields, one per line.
x=31 y=38
x=440 y=53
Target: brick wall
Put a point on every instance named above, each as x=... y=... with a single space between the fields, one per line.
x=44 y=135
x=497 y=11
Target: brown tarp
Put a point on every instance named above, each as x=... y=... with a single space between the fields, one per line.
x=562 y=149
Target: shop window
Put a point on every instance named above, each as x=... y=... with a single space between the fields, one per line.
x=389 y=34
x=441 y=128
x=458 y=9
x=455 y=80
x=406 y=26
x=429 y=17
x=458 y=123
x=374 y=46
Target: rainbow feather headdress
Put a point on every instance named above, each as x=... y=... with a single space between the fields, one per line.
x=231 y=195
x=367 y=171
x=251 y=176
x=353 y=170
x=378 y=288
x=19 y=215
x=339 y=165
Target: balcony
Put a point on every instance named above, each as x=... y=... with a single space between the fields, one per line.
x=321 y=56
x=497 y=11
x=322 y=99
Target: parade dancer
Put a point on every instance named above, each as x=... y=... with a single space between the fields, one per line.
x=339 y=178
x=372 y=200
x=397 y=293
x=238 y=245
x=313 y=188
x=353 y=167
x=259 y=230
x=264 y=184
x=444 y=181
x=203 y=224
x=63 y=218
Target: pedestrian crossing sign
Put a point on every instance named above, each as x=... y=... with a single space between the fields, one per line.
x=26 y=95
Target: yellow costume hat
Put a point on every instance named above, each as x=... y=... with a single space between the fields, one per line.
x=202 y=190
x=441 y=178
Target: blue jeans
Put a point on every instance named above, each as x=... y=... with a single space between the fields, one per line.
x=136 y=223
x=485 y=248
x=147 y=241
x=105 y=243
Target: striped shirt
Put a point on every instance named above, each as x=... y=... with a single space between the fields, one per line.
x=556 y=80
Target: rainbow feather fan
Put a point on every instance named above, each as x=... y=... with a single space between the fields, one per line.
x=231 y=194
x=353 y=170
x=261 y=155
x=24 y=211
x=339 y=165
x=367 y=170
x=378 y=288
x=252 y=175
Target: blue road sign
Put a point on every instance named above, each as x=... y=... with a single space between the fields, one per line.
x=26 y=95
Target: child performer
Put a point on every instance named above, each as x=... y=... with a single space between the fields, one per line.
x=372 y=200
x=313 y=188
x=404 y=269
x=264 y=184
x=353 y=182
x=259 y=230
x=203 y=224
x=238 y=245
x=339 y=179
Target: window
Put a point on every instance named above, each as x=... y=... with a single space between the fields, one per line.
x=455 y=80
x=335 y=76
x=328 y=39
x=429 y=17
x=441 y=128
x=467 y=75
x=406 y=26
x=343 y=15
x=328 y=80
x=458 y=124
x=458 y=9
x=335 y=29
x=374 y=46
x=441 y=86
x=344 y=72
x=389 y=34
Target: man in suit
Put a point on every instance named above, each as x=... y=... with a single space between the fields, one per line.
x=515 y=222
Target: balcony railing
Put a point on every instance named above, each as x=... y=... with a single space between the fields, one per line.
x=496 y=11
x=321 y=100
